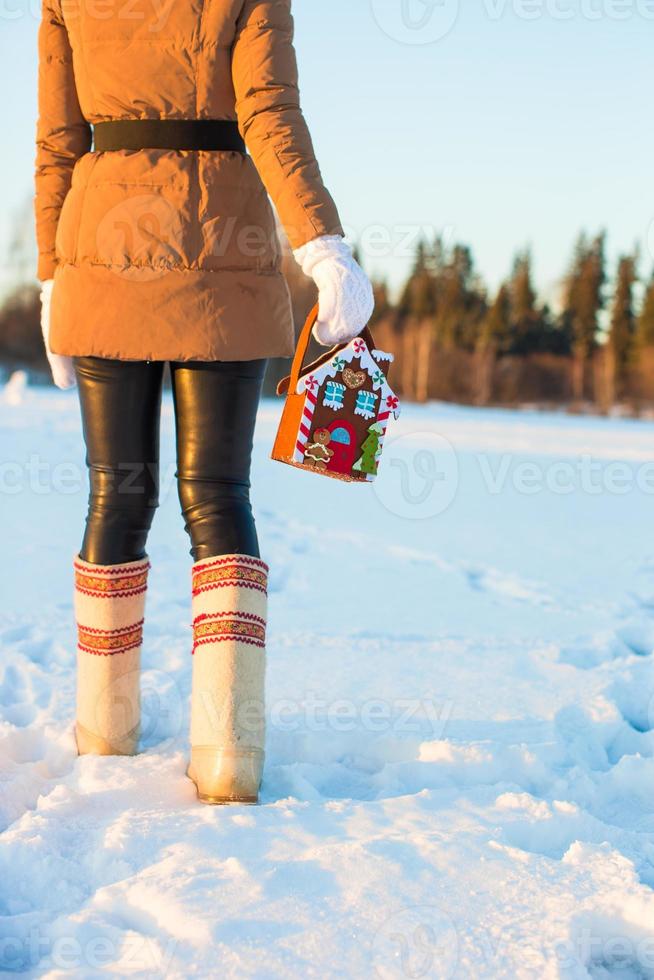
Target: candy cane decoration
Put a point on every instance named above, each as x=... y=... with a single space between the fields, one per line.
x=307 y=417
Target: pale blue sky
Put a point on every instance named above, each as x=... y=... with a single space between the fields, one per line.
x=508 y=130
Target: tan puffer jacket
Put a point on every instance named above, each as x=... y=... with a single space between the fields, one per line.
x=161 y=255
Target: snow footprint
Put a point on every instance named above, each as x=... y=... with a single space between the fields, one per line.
x=16 y=702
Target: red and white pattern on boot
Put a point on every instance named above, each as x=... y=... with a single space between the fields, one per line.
x=230 y=571
x=111 y=581
x=219 y=627
x=107 y=643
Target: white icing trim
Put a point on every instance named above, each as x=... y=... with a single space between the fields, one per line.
x=368 y=363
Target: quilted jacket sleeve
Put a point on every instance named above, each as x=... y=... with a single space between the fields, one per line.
x=62 y=136
x=265 y=76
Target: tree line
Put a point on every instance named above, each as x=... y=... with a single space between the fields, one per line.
x=454 y=341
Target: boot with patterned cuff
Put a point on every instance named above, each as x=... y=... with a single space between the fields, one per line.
x=109 y=607
x=229 y=662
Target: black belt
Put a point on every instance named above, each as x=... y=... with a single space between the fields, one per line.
x=168 y=134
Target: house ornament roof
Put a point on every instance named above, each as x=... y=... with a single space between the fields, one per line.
x=357 y=349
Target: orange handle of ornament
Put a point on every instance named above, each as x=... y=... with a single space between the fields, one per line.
x=302 y=345
x=290 y=383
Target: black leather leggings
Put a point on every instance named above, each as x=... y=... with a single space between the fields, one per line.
x=215 y=411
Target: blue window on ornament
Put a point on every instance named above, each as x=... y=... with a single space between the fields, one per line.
x=341 y=435
x=366 y=404
x=334 y=395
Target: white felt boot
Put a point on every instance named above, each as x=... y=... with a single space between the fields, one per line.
x=109 y=607
x=229 y=663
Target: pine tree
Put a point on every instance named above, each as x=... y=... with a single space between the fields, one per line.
x=645 y=322
x=492 y=341
x=516 y=324
x=423 y=295
x=415 y=319
x=525 y=318
x=461 y=301
x=495 y=330
x=583 y=303
x=623 y=325
x=418 y=287
x=523 y=294
x=382 y=302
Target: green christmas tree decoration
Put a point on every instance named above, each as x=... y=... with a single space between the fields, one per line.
x=370 y=451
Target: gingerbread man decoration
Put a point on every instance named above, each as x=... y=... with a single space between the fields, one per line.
x=317 y=453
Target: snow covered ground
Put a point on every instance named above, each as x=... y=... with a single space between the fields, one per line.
x=460 y=775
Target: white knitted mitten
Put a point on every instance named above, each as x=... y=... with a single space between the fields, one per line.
x=63 y=372
x=345 y=292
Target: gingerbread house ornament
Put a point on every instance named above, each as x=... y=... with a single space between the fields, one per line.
x=337 y=410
